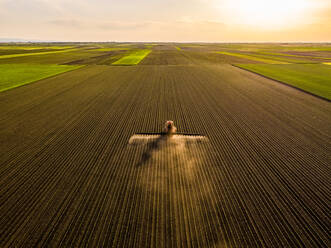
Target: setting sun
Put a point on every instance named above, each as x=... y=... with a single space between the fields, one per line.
x=268 y=14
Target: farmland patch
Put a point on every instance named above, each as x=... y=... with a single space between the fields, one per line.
x=253 y=58
x=70 y=178
x=14 y=75
x=306 y=56
x=110 y=49
x=34 y=54
x=6 y=47
x=133 y=58
x=313 y=78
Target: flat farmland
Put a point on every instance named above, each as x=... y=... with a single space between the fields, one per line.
x=133 y=58
x=68 y=176
x=14 y=75
x=313 y=78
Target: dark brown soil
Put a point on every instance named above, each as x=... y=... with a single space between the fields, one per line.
x=69 y=178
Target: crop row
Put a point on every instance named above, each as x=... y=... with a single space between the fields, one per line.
x=70 y=178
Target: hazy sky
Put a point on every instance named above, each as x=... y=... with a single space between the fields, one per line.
x=166 y=20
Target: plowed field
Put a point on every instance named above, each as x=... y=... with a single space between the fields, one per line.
x=69 y=178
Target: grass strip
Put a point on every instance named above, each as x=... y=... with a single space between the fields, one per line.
x=33 y=47
x=287 y=60
x=133 y=58
x=15 y=75
x=292 y=55
x=109 y=49
x=32 y=54
x=254 y=58
x=312 y=78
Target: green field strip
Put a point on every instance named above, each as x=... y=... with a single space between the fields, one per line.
x=252 y=47
x=105 y=49
x=285 y=59
x=149 y=46
x=15 y=75
x=33 y=54
x=312 y=78
x=54 y=58
x=21 y=51
x=33 y=47
x=292 y=55
x=178 y=48
x=254 y=58
x=306 y=49
x=133 y=58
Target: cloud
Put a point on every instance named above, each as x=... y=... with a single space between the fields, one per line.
x=67 y=23
x=98 y=25
x=32 y=8
x=143 y=20
x=112 y=26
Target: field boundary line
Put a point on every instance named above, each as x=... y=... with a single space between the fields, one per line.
x=278 y=81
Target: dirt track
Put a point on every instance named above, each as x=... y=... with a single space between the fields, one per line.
x=68 y=176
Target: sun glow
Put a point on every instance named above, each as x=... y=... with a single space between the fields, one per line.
x=267 y=13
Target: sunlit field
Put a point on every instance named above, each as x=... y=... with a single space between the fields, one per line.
x=313 y=76
x=133 y=58
x=14 y=75
x=165 y=144
x=165 y=124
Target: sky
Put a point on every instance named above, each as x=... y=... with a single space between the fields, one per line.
x=167 y=20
